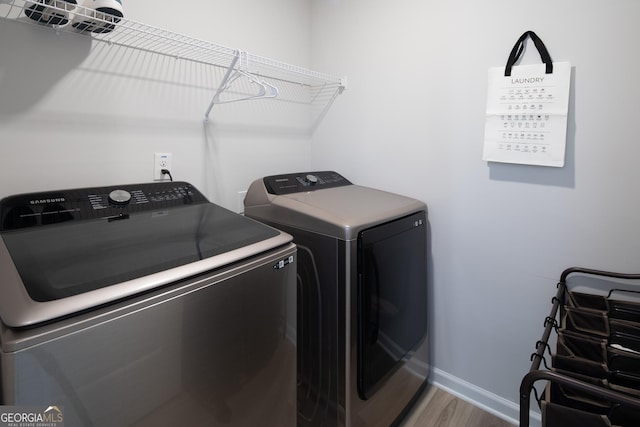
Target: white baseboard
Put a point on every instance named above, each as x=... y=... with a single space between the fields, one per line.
x=487 y=401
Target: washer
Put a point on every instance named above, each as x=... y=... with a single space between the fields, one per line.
x=145 y=305
x=362 y=295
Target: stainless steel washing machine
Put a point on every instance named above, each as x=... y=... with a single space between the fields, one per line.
x=145 y=305
x=362 y=295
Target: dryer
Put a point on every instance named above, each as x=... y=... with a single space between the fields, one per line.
x=362 y=295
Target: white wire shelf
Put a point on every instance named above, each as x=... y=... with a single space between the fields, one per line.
x=293 y=84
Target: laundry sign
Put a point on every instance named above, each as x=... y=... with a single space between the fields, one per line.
x=527 y=110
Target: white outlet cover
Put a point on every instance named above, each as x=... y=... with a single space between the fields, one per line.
x=161 y=161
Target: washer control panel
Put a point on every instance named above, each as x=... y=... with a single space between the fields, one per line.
x=303 y=181
x=112 y=203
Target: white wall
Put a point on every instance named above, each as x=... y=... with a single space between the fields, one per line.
x=79 y=113
x=412 y=121
x=74 y=113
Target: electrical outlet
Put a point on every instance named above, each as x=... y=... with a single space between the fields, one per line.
x=161 y=161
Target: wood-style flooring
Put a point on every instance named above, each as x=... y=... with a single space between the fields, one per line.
x=440 y=409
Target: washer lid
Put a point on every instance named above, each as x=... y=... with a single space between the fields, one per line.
x=51 y=270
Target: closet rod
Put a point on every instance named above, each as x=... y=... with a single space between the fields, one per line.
x=340 y=84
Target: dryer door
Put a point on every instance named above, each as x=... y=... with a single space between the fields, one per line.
x=392 y=298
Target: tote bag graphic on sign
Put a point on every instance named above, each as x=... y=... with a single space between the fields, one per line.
x=527 y=109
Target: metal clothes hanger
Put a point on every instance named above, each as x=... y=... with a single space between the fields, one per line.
x=233 y=74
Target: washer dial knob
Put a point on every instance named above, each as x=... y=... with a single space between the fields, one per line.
x=120 y=197
x=311 y=179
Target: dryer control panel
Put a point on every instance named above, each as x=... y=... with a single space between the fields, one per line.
x=303 y=181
